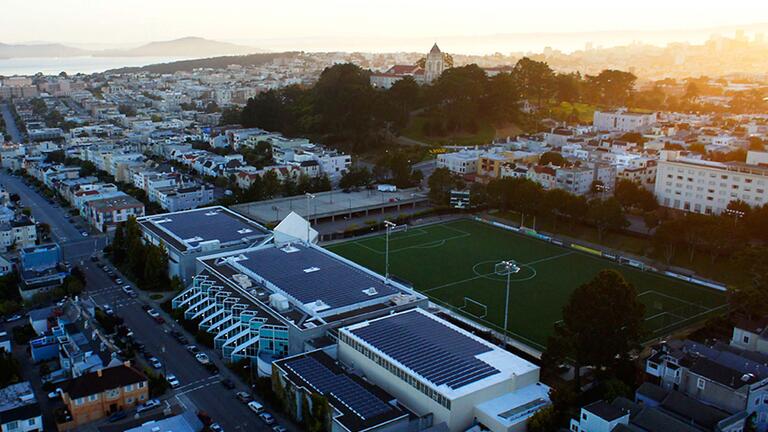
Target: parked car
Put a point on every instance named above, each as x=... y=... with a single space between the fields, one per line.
x=215 y=427
x=279 y=428
x=56 y=394
x=155 y=362
x=255 y=407
x=193 y=349
x=84 y=234
x=228 y=383
x=182 y=340
x=202 y=358
x=267 y=418
x=119 y=281
x=13 y=318
x=244 y=397
x=148 y=405
x=153 y=313
x=107 y=310
x=128 y=290
x=117 y=416
x=172 y=381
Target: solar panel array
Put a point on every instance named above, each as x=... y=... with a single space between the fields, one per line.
x=433 y=350
x=209 y=224
x=334 y=282
x=350 y=393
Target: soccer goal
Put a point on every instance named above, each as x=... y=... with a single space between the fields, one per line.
x=474 y=308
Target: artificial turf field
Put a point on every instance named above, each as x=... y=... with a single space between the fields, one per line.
x=453 y=264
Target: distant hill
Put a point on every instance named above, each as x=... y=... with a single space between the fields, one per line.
x=184 y=47
x=39 y=50
x=212 y=63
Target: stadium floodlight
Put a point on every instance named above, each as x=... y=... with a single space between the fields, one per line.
x=506 y=268
x=390 y=227
x=309 y=221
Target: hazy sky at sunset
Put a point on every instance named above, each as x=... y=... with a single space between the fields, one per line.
x=251 y=21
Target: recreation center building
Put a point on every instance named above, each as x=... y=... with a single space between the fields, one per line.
x=320 y=324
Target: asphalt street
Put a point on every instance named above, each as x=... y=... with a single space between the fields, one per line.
x=10 y=124
x=199 y=390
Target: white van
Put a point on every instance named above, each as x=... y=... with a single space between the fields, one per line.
x=255 y=407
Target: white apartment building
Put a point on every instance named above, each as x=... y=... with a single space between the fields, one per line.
x=19 y=234
x=461 y=162
x=707 y=187
x=622 y=120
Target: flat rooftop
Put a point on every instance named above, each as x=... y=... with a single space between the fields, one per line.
x=452 y=360
x=326 y=204
x=362 y=405
x=186 y=230
x=314 y=278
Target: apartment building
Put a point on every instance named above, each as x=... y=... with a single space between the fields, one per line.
x=99 y=394
x=623 y=120
x=461 y=162
x=708 y=187
x=19 y=409
x=189 y=197
x=578 y=180
x=19 y=233
x=724 y=376
x=103 y=214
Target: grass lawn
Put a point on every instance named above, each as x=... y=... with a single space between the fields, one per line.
x=564 y=109
x=453 y=264
x=415 y=130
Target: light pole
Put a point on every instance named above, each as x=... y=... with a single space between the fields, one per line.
x=390 y=227
x=506 y=268
x=309 y=221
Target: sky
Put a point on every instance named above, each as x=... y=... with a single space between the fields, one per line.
x=377 y=25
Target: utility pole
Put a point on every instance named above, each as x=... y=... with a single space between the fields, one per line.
x=506 y=268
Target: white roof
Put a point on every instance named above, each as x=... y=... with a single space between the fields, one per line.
x=294 y=227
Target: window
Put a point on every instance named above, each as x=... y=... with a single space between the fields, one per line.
x=31 y=422
x=745 y=339
x=700 y=383
x=92 y=397
x=13 y=425
x=129 y=387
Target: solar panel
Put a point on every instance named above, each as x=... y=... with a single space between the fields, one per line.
x=208 y=224
x=354 y=396
x=334 y=282
x=433 y=350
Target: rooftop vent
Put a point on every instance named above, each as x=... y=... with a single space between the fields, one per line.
x=211 y=213
x=371 y=291
x=163 y=220
x=242 y=280
x=746 y=377
x=244 y=231
x=311 y=269
x=194 y=239
x=288 y=248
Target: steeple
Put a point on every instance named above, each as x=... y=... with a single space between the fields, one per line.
x=435 y=49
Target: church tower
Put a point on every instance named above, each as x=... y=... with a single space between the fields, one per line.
x=435 y=64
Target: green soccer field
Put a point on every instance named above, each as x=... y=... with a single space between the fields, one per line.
x=453 y=264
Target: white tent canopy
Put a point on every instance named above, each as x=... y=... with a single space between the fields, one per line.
x=293 y=228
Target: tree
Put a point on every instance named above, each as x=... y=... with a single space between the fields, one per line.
x=404 y=96
x=606 y=214
x=535 y=78
x=602 y=324
x=631 y=195
x=441 y=182
x=553 y=158
x=612 y=87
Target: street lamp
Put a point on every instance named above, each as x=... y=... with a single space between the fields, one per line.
x=506 y=268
